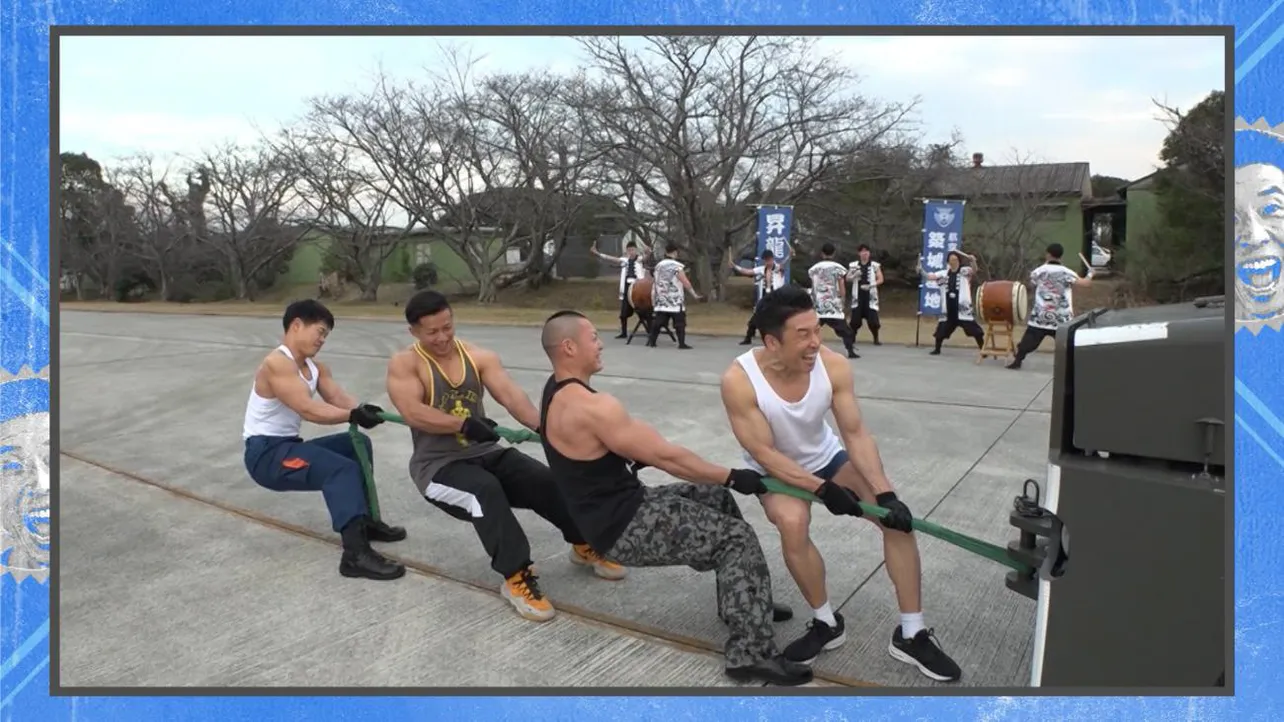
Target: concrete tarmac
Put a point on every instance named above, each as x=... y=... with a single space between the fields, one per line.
x=172 y=589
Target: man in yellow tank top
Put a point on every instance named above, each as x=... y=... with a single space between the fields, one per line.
x=438 y=385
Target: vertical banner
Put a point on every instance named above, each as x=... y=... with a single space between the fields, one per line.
x=942 y=233
x=774 y=224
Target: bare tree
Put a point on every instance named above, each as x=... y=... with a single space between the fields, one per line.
x=346 y=200
x=874 y=197
x=696 y=123
x=453 y=153
x=252 y=212
x=540 y=130
x=159 y=239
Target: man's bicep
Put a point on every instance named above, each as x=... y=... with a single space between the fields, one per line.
x=404 y=386
x=288 y=387
x=844 y=405
x=619 y=432
x=748 y=424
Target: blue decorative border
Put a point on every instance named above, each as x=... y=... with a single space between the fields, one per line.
x=24 y=285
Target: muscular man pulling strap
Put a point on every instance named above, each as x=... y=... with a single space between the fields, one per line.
x=589 y=441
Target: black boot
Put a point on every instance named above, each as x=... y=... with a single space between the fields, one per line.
x=781 y=613
x=936 y=351
x=624 y=328
x=776 y=670
x=851 y=352
x=876 y=341
x=378 y=531
x=682 y=338
x=359 y=560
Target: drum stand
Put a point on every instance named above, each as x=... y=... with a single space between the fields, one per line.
x=644 y=322
x=992 y=349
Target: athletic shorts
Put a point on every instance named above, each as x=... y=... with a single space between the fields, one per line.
x=828 y=471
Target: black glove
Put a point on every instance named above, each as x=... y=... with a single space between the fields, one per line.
x=479 y=430
x=898 y=515
x=839 y=500
x=746 y=481
x=366 y=416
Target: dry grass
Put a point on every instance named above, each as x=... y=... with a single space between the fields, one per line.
x=595 y=298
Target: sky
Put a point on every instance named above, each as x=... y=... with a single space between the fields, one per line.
x=1044 y=99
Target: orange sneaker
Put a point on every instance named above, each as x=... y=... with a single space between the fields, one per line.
x=584 y=555
x=523 y=592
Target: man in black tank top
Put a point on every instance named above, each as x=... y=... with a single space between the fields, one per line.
x=458 y=465
x=595 y=450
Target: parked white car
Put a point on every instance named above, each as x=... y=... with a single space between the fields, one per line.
x=1100 y=256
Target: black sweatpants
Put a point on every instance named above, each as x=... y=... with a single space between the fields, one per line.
x=485 y=490
x=947 y=326
x=1031 y=340
x=661 y=318
x=700 y=526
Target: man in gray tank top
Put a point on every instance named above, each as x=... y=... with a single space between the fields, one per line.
x=438 y=385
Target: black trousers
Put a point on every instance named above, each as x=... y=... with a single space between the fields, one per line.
x=661 y=318
x=751 y=329
x=841 y=328
x=1032 y=339
x=626 y=312
x=948 y=325
x=862 y=314
x=485 y=490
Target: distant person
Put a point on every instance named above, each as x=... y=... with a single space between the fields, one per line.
x=866 y=276
x=956 y=291
x=282 y=396
x=768 y=276
x=828 y=291
x=1053 y=302
x=595 y=449
x=631 y=269
x=439 y=384
x=668 y=297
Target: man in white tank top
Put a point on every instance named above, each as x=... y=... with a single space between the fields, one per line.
x=282 y=396
x=777 y=399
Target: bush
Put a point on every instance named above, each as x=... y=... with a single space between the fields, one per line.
x=424 y=276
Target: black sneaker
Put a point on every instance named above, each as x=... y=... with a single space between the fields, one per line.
x=924 y=652
x=1014 y=365
x=820 y=637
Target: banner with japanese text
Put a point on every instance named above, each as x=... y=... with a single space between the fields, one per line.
x=942 y=233
x=774 y=224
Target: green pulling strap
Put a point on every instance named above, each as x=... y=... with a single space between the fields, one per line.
x=372 y=496
x=981 y=548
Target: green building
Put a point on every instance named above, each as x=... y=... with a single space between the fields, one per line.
x=1141 y=216
x=1015 y=211
x=416 y=248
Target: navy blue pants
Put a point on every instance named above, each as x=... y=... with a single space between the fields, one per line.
x=327 y=464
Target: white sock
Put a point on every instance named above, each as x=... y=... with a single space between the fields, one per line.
x=911 y=624
x=825 y=614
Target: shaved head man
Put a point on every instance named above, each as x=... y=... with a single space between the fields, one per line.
x=595 y=450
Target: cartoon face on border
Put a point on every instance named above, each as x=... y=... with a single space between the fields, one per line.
x=1259 y=231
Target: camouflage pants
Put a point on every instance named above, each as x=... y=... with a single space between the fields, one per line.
x=701 y=527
